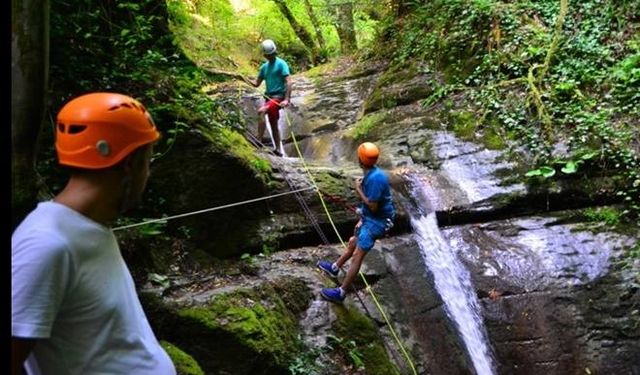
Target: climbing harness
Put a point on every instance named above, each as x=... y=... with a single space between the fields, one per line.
x=303 y=204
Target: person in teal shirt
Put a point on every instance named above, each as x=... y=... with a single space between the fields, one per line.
x=277 y=77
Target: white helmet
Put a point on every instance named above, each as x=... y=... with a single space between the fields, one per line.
x=268 y=47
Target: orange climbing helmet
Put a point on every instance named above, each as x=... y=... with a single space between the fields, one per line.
x=98 y=130
x=368 y=154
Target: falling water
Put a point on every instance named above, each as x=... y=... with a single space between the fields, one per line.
x=452 y=279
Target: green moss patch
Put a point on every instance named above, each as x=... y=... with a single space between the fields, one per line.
x=464 y=124
x=366 y=124
x=184 y=363
x=258 y=324
x=395 y=88
x=359 y=338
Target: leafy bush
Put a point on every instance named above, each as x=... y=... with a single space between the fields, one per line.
x=538 y=78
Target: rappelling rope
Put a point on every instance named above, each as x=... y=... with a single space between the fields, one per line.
x=314 y=222
x=213 y=208
x=367 y=286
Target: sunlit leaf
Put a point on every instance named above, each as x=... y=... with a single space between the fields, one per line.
x=590 y=155
x=570 y=168
x=547 y=171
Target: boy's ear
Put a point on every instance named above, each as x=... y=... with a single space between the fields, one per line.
x=129 y=162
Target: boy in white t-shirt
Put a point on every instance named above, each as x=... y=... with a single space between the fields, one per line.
x=74 y=306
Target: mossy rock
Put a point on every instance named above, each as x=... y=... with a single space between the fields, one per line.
x=363 y=128
x=398 y=86
x=246 y=331
x=358 y=337
x=261 y=325
x=468 y=125
x=200 y=174
x=184 y=363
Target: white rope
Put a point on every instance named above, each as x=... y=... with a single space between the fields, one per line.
x=213 y=208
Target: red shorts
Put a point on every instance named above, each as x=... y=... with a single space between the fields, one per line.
x=272 y=108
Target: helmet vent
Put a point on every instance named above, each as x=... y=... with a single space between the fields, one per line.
x=117 y=107
x=61 y=127
x=75 y=129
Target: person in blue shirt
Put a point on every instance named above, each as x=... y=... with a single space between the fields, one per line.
x=277 y=77
x=377 y=214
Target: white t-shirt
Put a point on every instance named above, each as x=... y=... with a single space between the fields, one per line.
x=72 y=290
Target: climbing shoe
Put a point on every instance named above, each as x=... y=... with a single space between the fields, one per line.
x=327 y=267
x=333 y=294
x=276 y=152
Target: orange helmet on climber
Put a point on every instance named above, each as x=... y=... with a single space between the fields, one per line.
x=368 y=154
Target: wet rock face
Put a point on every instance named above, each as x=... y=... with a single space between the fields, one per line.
x=193 y=179
x=534 y=253
x=557 y=309
x=563 y=332
x=552 y=296
x=266 y=320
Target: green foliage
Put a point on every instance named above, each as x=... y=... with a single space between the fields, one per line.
x=464 y=124
x=349 y=347
x=248 y=258
x=446 y=34
x=364 y=126
x=357 y=337
x=305 y=363
x=225 y=35
x=544 y=171
x=270 y=243
x=608 y=215
x=152 y=229
x=633 y=255
x=127 y=46
x=483 y=52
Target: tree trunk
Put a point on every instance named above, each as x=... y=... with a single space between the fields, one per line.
x=29 y=76
x=300 y=31
x=316 y=24
x=345 y=27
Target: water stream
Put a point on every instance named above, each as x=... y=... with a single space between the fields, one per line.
x=452 y=280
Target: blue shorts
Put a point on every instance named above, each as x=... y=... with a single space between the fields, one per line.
x=369 y=232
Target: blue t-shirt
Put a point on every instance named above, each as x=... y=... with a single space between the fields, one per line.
x=376 y=188
x=273 y=74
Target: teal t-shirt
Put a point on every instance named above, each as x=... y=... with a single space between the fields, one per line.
x=273 y=74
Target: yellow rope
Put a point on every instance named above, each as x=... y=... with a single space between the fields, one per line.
x=368 y=287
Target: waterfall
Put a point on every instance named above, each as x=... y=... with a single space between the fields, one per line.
x=452 y=280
